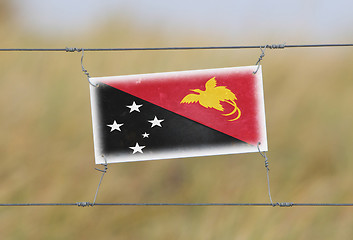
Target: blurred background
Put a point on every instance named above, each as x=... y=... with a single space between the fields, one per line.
x=46 y=141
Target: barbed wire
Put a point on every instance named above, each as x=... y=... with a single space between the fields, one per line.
x=268 y=46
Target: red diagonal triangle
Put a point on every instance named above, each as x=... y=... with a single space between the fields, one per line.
x=168 y=89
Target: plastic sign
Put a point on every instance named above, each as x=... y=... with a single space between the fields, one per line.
x=178 y=114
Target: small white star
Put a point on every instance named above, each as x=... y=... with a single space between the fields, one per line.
x=137 y=148
x=115 y=126
x=156 y=122
x=134 y=107
x=145 y=135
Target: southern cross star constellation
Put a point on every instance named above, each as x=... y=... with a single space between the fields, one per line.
x=117 y=126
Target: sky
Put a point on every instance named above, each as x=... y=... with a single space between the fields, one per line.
x=312 y=20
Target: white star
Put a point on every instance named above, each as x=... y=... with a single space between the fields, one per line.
x=145 y=135
x=156 y=122
x=115 y=126
x=134 y=107
x=137 y=148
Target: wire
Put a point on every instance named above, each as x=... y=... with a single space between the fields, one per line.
x=272 y=46
x=104 y=171
x=87 y=204
x=36 y=204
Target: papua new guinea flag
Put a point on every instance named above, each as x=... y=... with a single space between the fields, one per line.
x=178 y=114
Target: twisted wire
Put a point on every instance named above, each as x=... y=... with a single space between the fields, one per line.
x=269 y=46
x=263 y=154
x=88 y=204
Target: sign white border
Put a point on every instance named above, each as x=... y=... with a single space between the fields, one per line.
x=100 y=157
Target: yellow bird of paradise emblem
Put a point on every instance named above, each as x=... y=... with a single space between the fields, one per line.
x=212 y=98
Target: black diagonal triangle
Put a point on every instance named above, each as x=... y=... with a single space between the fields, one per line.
x=176 y=133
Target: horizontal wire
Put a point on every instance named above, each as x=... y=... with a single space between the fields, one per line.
x=272 y=46
x=35 y=204
x=86 y=204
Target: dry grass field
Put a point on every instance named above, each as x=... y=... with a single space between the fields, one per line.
x=46 y=145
